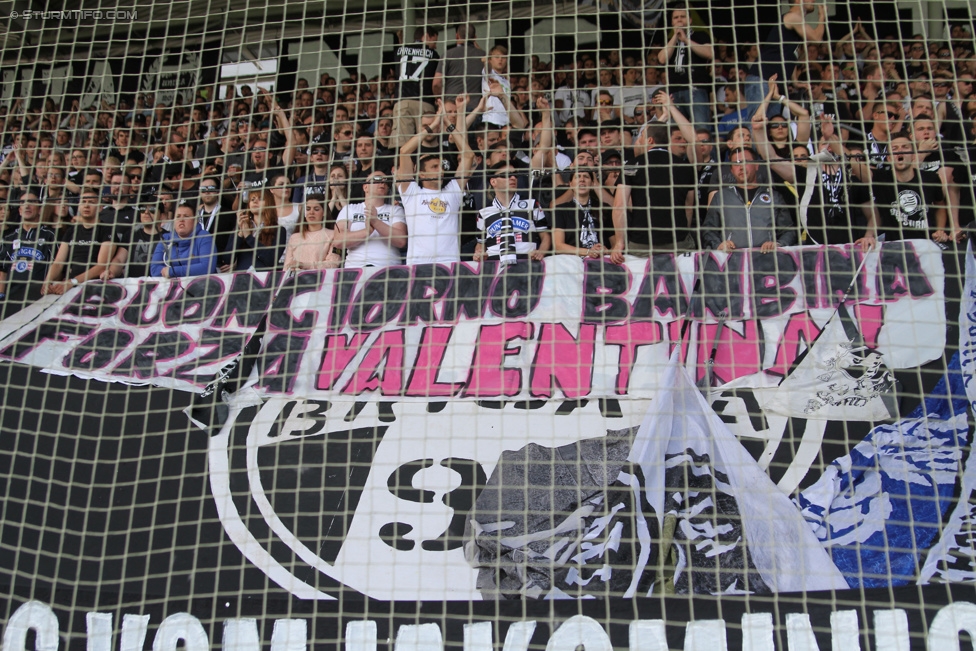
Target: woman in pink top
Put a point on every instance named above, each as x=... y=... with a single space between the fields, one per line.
x=311 y=245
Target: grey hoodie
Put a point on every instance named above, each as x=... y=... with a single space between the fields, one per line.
x=748 y=220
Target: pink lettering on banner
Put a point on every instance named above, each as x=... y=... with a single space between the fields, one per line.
x=870 y=318
x=630 y=337
x=800 y=330
x=382 y=366
x=339 y=351
x=487 y=378
x=564 y=361
x=735 y=356
x=423 y=379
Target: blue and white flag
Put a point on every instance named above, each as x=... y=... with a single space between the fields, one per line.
x=878 y=508
x=953 y=557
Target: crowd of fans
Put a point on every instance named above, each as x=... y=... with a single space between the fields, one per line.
x=448 y=157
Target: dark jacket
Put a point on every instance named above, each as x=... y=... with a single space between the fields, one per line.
x=749 y=222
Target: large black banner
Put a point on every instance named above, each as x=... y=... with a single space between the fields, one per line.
x=112 y=538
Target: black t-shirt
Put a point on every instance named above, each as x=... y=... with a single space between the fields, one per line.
x=140 y=252
x=580 y=223
x=120 y=221
x=659 y=183
x=446 y=149
x=418 y=63
x=83 y=246
x=678 y=64
x=780 y=51
x=828 y=219
x=906 y=208
x=25 y=255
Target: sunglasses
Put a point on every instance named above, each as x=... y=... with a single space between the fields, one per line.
x=209 y=188
x=258 y=149
x=504 y=175
x=605 y=103
x=777 y=125
x=377 y=180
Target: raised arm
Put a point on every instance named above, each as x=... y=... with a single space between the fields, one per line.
x=810 y=33
x=405 y=168
x=460 y=138
x=761 y=142
x=543 y=156
x=284 y=125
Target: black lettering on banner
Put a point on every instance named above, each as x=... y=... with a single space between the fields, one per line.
x=470 y=291
x=900 y=272
x=461 y=500
x=53 y=330
x=223 y=345
x=771 y=273
x=280 y=315
x=838 y=273
x=661 y=290
x=810 y=260
x=722 y=286
x=158 y=347
x=605 y=286
x=279 y=361
x=198 y=302
x=430 y=284
x=97 y=351
x=248 y=300
x=96 y=300
x=138 y=312
x=517 y=289
x=380 y=300
x=343 y=286
x=308 y=412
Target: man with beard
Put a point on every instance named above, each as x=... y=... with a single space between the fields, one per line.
x=747 y=214
x=906 y=203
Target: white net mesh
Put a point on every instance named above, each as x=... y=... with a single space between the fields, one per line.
x=358 y=324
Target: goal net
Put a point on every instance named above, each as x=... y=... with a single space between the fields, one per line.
x=567 y=325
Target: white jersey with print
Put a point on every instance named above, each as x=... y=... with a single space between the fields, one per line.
x=433 y=223
x=374 y=251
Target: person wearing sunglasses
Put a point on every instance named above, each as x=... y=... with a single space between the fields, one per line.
x=887 y=120
x=26 y=253
x=373 y=231
x=510 y=223
x=316 y=177
x=213 y=216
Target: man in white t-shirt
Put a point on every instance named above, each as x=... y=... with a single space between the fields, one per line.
x=372 y=232
x=432 y=209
